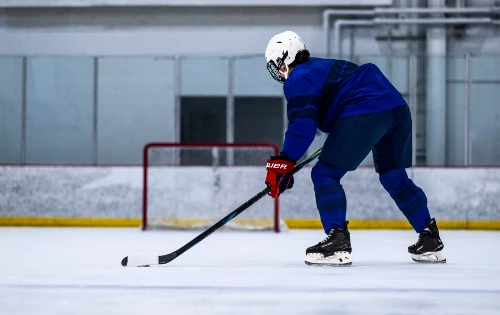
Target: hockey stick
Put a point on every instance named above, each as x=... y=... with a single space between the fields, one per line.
x=146 y=261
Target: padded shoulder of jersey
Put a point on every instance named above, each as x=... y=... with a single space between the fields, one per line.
x=306 y=78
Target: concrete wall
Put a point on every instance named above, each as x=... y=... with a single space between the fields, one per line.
x=195 y=30
x=146 y=31
x=195 y=3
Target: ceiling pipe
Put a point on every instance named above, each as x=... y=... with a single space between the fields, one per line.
x=331 y=12
x=380 y=11
x=491 y=10
x=382 y=21
x=337 y=35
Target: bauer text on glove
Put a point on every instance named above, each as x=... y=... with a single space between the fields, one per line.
x=279 y=174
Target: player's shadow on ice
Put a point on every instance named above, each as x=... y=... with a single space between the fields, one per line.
x=367 y=264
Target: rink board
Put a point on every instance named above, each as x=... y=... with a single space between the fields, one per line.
x=111 y=196
x=290 y=223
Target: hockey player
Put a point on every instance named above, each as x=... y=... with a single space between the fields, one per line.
x=362 y=112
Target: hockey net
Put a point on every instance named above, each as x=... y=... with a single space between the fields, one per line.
x=192 y=186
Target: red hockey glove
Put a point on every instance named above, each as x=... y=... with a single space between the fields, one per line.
x=279 y=174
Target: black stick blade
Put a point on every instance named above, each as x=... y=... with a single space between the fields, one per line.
x=125 y=261
x=165 y=259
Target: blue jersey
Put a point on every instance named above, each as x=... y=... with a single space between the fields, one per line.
x=320 y=91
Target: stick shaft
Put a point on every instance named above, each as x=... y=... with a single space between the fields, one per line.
x=169 y=257
x=217 y=225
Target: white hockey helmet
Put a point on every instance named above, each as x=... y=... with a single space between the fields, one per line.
x=281 y=52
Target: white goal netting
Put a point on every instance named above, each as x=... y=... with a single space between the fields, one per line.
x=192 y=186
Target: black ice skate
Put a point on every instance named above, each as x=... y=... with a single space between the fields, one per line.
x=334 y=250
x=429 y=247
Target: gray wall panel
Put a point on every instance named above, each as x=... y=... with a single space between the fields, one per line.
x=135 y=106
x=184 y=30
x=189 y=3
x=158 y=30
x=10 y=109
x=59 y=110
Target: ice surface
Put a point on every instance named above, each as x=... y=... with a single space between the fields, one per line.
x=78 y=271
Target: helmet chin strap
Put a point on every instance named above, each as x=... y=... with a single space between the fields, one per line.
x=285 y=74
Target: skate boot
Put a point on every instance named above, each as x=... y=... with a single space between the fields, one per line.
x=334 y=250
x=429 y=247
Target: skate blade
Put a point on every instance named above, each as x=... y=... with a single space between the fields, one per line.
x=430 y=258
x=339 y=259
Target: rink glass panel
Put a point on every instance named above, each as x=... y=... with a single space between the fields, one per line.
x=96 y=110
x=136 y=104
x=11 y=86
x=485 y=111
x=59 y=110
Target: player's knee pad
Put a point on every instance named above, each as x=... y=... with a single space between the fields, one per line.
x=394 y=180
x=325 y=174
x=408 y=196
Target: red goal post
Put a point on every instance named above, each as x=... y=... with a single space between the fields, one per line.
x=213 y=169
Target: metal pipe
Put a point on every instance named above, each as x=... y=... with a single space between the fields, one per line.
x=24 y=103
x=230 y=110
x=436 y=121
x=460 y=3
x=381 y=21
x=435 y=21
x=413 y=89
x=336 y=33
x=95 y=113
x=489 y=10
x=177 y=97
x=380 y=11
x=468 y=86
x=177 y=79
x=332 y=12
